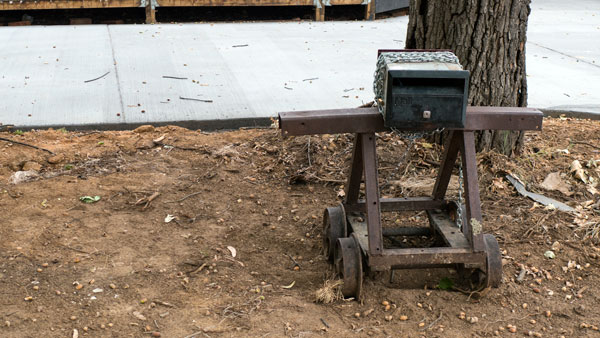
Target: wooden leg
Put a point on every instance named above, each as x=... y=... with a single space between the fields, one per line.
x=150 y=12
x=369 y=155
x=356 y=172
x=472 y=229
x=320 y=12
x=370 y=10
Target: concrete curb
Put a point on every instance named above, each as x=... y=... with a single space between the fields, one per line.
x=205 y=125
x=571 y=113
x=253 y=122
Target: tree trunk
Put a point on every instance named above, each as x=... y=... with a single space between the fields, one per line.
x=489 y=39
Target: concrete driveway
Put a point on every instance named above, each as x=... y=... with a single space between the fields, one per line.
x=235 y=74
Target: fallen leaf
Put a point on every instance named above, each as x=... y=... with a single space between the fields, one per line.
x=89 y=199
x=498 y=183
x=138 y=315
x=233 y=251
x=289 y=286
x=445 y=284
x=575 y=165
x=587 y=203
x=578 y=172
x=367 y=312
x=554 y=182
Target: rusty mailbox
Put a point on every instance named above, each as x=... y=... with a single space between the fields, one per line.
x=421 y=90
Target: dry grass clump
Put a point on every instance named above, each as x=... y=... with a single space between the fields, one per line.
x=330 y=292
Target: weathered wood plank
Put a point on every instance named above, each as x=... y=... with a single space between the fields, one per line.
x=226 y=3
x=346 y=2
x=67 y=4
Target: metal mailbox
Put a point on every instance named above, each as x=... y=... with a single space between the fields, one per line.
x=421 y=90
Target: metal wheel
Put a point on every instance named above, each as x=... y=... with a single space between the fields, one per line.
x=468 y=274
x=489 y=275
x=334 y=227
x=348 y=263
x=493 y=273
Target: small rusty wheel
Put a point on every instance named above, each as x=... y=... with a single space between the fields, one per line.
x=348 y=264
x=334 y=227
x=489 y=275
x=493 y=266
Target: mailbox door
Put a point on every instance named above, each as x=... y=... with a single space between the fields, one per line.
x=426 y=99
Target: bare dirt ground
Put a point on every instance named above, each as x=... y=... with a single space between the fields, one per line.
x=116 y=268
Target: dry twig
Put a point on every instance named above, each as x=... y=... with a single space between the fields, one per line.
x=25 y=144
x=432 y=323
x=198 y=269
x=293 y=260
x=98 y=78
x=174 y=77
x=193 y=99
x=159 y=142
x=185 y=197
x=147 y=200
x=585 y=144
x=164 y=303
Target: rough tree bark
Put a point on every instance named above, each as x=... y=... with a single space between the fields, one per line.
x=489 y=39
